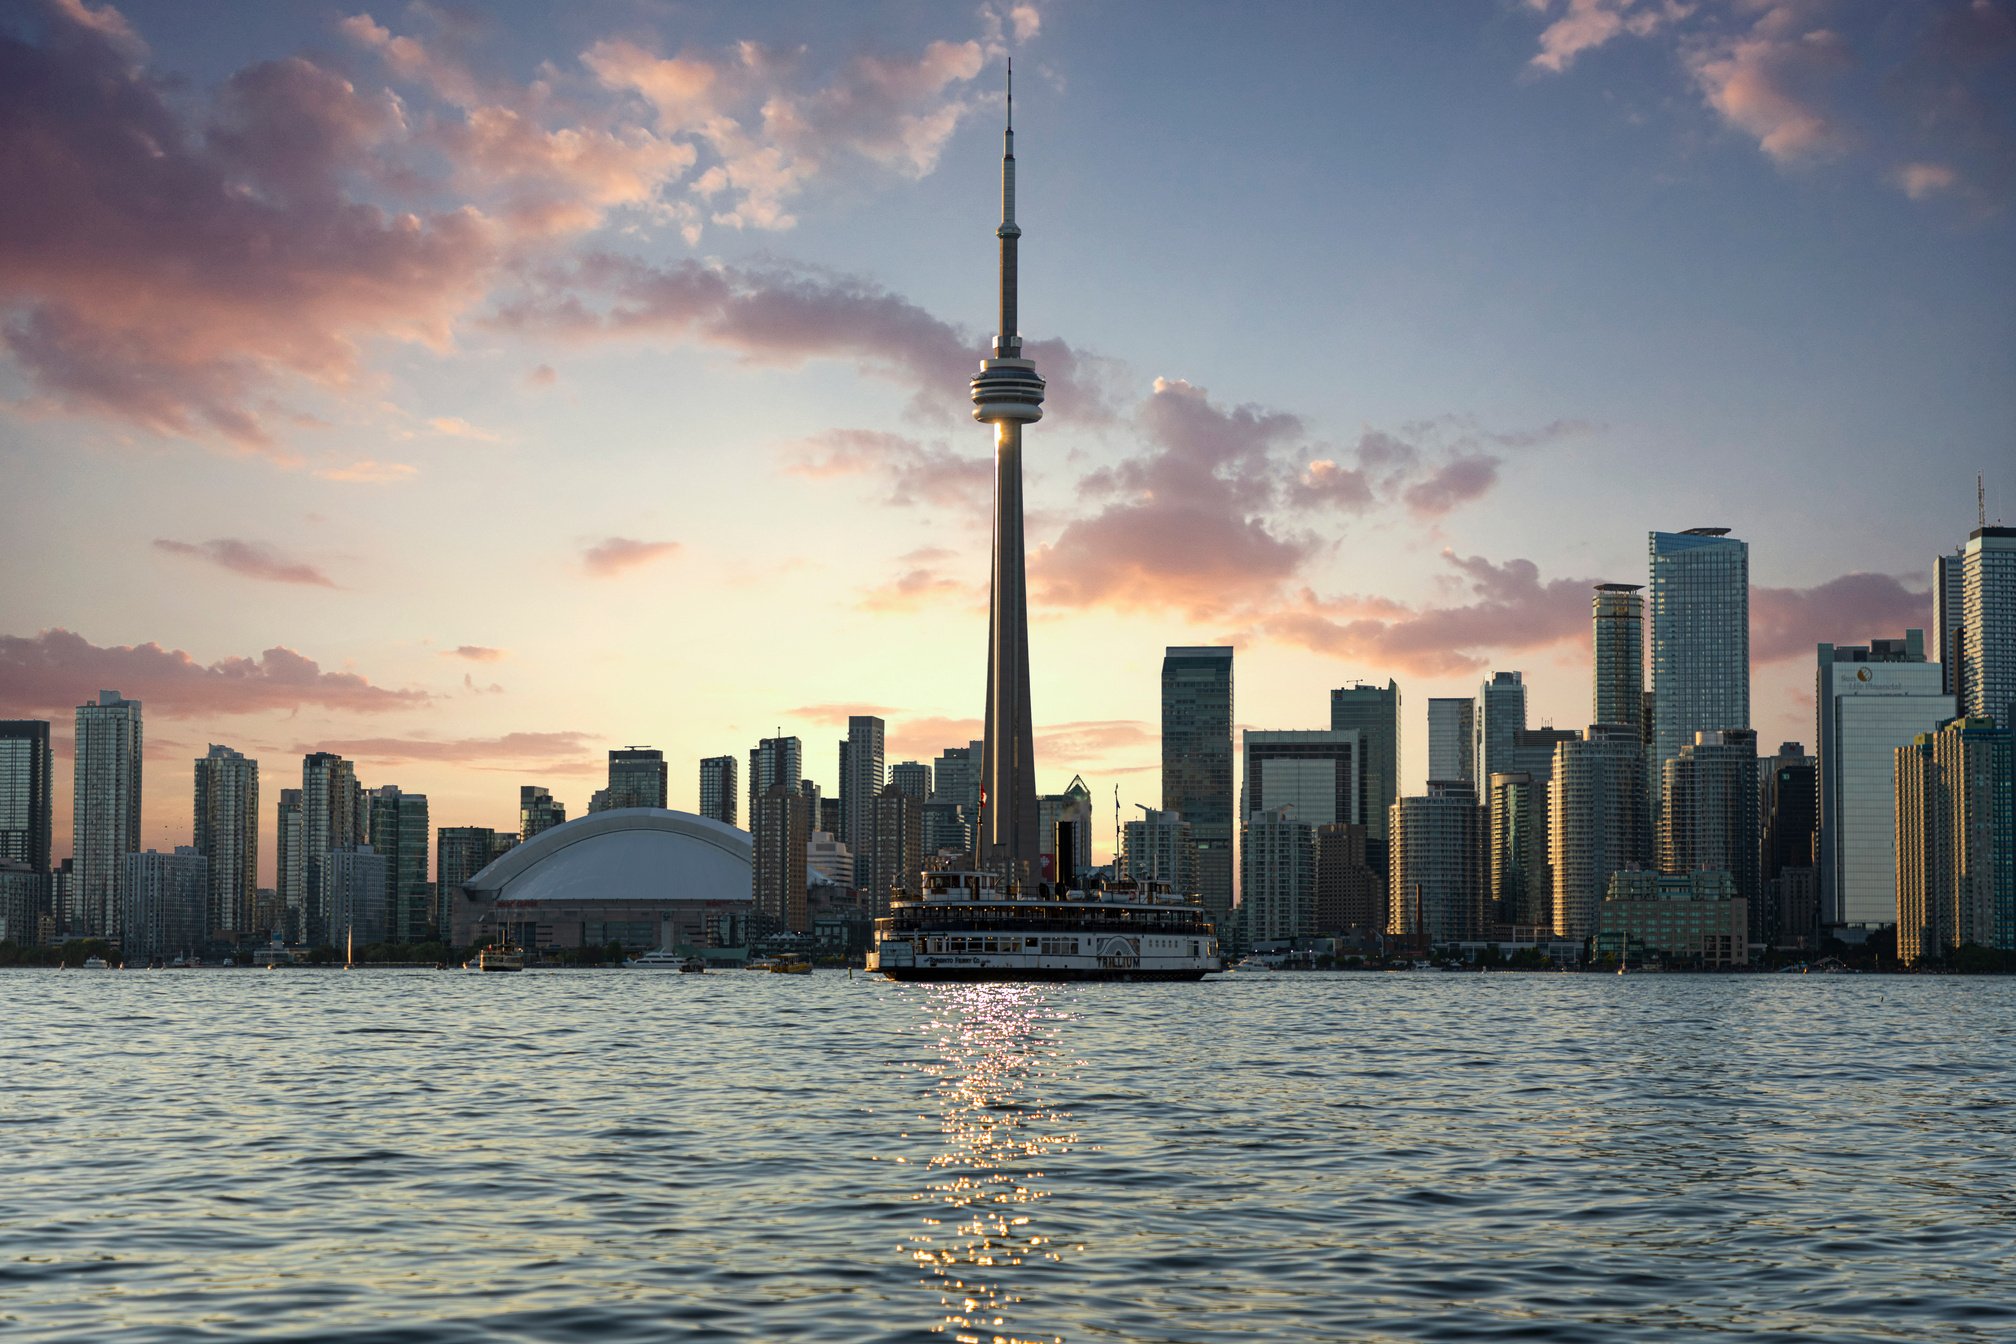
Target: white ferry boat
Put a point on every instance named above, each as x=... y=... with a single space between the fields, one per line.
x=969 y=926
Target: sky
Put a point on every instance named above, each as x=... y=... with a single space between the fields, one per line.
x=471 y=389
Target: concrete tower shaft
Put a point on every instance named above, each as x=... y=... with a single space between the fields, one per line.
x=1008 y=394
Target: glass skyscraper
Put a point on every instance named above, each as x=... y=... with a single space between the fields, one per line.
x=1197 y=763
x=1617 y=613
x=1375 y=712
x=1868 y=702
x=26 y=816
x=400 y=836
x=1987 y=681
x=636 y=777
x=1700 y=598
x=106 y=824
x=719 y=796
x=226 y=832
x=1452 y=740
x=1501 y=717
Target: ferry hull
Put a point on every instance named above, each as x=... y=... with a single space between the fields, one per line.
x=1036 y=973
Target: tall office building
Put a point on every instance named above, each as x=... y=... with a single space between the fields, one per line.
x=24 y=903
x=165 y=905
x=1437 y=885
x=26 y=814
x=1598 y=822
x=1520 y=885
x=1868 y=701
x=1956 y=840
x=1708 y=814
x=1501 y=717
x=461 y=852
x=1700 y=595
x=332 y=817
x=1617 y=613
x=1159 y=846
x=862 y=775
x=780 y=827
x=106 y=820
x=399 y=833
x=1008 y=394
x=1064 y=833
x=1452 y=741
x=947 y=828
x=1375 y=712
x=1314 y=771
x=636 y=777
x=720 y=797
x=895 y=840
x=1788 y=872
x=1197 y=777
x=538 y=810
x=913 y=777
x=1533 y=751
x=1949 y=617
x=955 y=776
x=1987 y=683
x=1277 y=876
x=772 y=761
x=290 y=868
x=361 y=899
x=1350 y=897
x=226 y=832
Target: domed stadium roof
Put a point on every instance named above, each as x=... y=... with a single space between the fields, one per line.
x=630 y=853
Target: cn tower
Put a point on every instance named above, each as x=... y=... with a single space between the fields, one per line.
x=1008 y=394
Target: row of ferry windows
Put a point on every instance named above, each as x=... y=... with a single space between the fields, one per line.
x=1045 y=946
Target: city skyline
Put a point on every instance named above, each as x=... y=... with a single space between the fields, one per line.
x=507 y=537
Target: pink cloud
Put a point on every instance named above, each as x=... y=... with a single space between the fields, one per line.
x=169 y=277
x=923 y=583
x=766 y=137
x=369 y=472
x=924 y=737
x=619 y=555
x=1185 y=527
x=1453 y=483
x=1511 y=610
x=476 y=653
x=916 y=473
x=1853 y=609
x=530 y=748
x=780 y=316
x=56 y=669
x=252 y=559
x=1771 y=83
x=1922 y=180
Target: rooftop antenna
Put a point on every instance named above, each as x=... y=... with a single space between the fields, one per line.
x=1980 y=499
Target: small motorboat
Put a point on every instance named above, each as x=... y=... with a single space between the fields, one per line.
x=790 y=964
x=97 y=964
x=693 y=966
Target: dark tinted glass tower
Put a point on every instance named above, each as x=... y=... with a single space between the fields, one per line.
x=1375 y=712
x=636 y=777
x=1197 y=763
x=25 y=815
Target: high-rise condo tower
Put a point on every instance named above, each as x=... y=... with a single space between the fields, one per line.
x=1008 y=394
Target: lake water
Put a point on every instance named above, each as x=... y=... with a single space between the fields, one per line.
x=420 y=1156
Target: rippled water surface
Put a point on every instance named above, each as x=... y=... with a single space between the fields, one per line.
x=420 y=1156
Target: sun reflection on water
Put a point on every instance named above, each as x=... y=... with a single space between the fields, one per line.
x=997 y=1056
